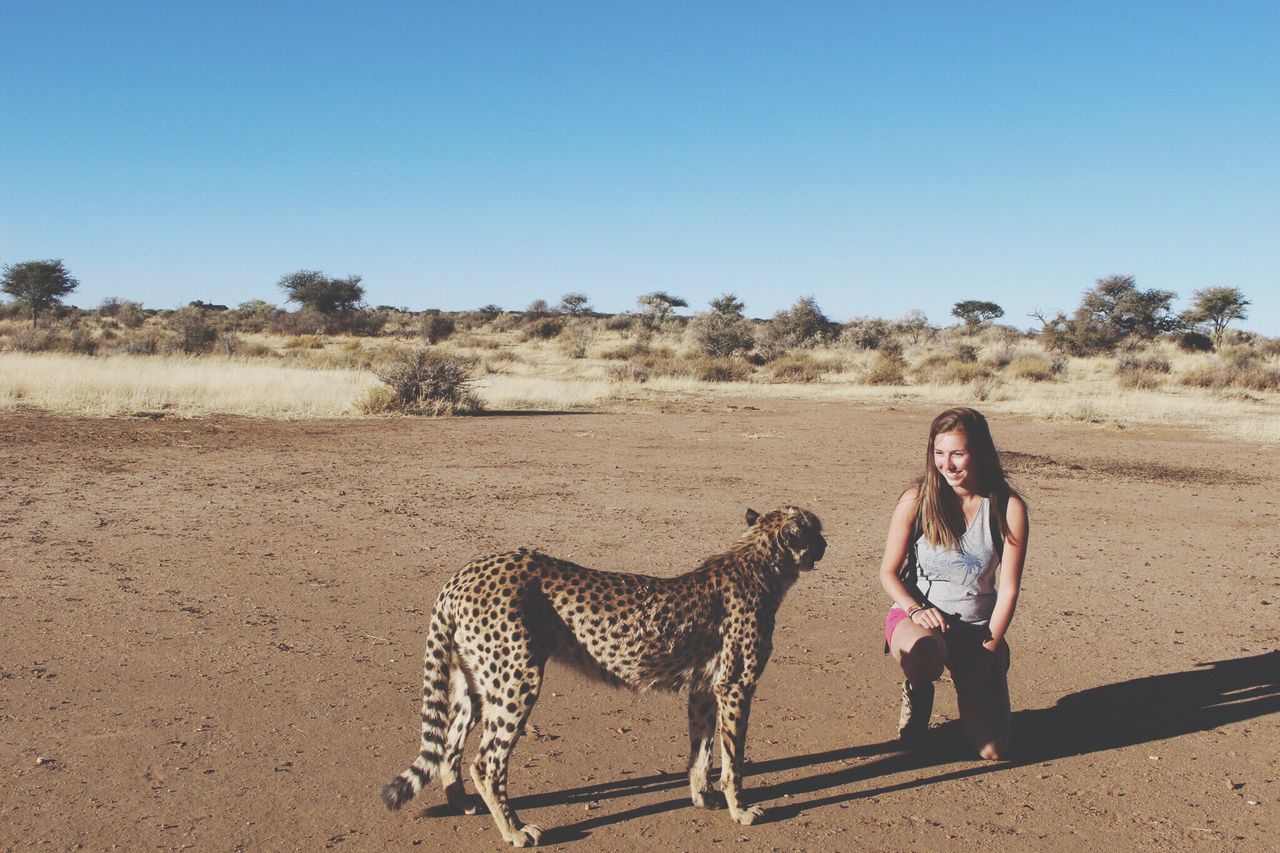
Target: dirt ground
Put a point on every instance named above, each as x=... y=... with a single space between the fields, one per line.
x=212 y=632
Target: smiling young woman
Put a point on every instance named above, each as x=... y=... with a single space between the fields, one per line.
x=953 y=564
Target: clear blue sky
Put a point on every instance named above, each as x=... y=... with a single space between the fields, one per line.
x=881 y=157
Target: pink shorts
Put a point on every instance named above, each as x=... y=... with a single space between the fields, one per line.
x=895 y=615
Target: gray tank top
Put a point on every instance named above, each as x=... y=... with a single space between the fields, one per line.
x=961 y=581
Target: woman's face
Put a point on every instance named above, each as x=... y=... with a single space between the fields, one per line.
x=952 y=459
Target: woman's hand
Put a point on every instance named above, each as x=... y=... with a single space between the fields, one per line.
x=931 y=618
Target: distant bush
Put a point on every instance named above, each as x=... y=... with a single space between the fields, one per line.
x=719 y=369
x=255 y=349
x=364 y=322
x=802 y=325
x=435 y=327
x=1034 y=368
x=985 y=388
x=796 y=368
x=193 y=331
x=305 y=342
x=954 y=368
x=378 y=400
x=1268 y=347
x=887 y=369
x=543 y=329
x=869 y=333
x=422 y=381
x=577 y=337
x=144 y=343
x=30 y=339
x=619 y=322
x=625 y=352
x=1259 y=378
x=1193 y=341
x=1141 y=372
x=661 y=361
x=253 y=316
x=723 y=331
x=303 y=322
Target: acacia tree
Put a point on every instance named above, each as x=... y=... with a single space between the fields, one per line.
x=1217 y=306
x=1120 y=307
x=329 y=296
x=975 y=312
x=574 y=304
x=38 y=285
x=657 y=309
x=723 y=330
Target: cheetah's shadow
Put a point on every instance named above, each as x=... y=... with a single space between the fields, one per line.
x=1101 y=718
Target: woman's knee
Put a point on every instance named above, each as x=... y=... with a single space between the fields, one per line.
x=924 y=659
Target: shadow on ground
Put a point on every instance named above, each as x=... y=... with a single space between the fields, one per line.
x=1101 y=718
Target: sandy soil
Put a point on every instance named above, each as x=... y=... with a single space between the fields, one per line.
x=212 y=630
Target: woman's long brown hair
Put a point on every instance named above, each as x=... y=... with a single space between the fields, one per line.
x=941 y=516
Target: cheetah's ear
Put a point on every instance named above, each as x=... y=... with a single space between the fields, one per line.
x=752 y=516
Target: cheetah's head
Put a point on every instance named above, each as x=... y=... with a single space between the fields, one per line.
x=796 y=532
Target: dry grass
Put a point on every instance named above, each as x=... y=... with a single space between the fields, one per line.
x=180 y=385
x=1231 y=394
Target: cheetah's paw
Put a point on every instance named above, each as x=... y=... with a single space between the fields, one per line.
x=526 y=836
x=461 y=802
x=709 y=800
x=747 y=816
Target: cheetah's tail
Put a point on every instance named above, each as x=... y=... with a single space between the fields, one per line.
x=435 y=715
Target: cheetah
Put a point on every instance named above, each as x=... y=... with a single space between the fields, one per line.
x=499 y=619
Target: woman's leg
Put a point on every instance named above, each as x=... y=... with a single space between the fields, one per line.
x=920 y=652
x=982 y=694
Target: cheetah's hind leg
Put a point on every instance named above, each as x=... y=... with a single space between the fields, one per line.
x=702 y=733
x=464 y=707
x=502 y=726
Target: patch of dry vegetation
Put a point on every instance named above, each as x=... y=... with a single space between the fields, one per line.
x=259 y=361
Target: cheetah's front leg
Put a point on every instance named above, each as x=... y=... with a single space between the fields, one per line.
x=734 y=702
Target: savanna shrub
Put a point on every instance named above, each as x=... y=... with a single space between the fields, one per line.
x=423 y=381
x=1141 y=372
x=945 y=369
x=435 y=327
x=1259 y=378
x=887 y=369
x=722 y=369
x=1034 y=368
x=1267 y=347
x=544 y=329
x=1212 y=375
x=795 y=368
x=577 y=337
x=1193 y=341
x=721 y=334
x=193 y=333
x=305 y=342
x=866 y=333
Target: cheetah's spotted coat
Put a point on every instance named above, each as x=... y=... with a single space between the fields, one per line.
x=499 y=619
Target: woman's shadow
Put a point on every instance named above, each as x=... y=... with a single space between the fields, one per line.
x=1109 y=717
